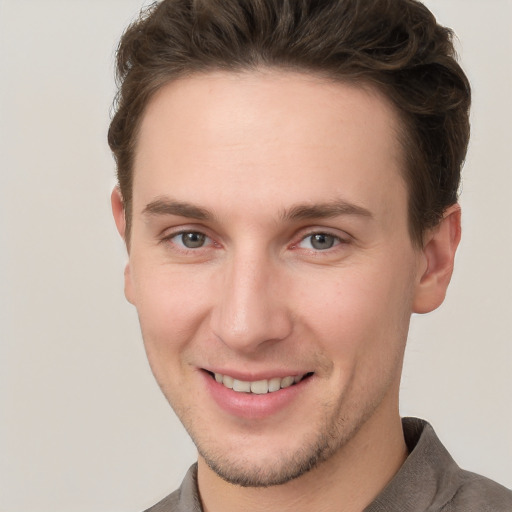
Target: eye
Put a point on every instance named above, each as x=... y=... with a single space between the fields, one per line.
x=190 y=239
x=319 y=241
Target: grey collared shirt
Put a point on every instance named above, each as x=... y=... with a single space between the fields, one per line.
x=428 y=481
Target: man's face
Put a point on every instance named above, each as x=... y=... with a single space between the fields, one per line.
x=270 y=245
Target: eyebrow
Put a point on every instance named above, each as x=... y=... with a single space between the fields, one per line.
x=324 y=211
x=165 y=206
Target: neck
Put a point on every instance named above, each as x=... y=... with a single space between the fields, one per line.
x=348 y=481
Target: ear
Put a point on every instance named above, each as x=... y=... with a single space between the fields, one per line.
x=438 y=255
x=118 y=211
x=120 y=220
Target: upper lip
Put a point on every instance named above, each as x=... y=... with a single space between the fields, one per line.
x=256 y=376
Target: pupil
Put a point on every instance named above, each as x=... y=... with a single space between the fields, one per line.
x=322 y=241
x=193 y=240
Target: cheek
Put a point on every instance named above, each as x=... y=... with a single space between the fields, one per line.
x=171 y=307
x=362 y=326
x=360 y=311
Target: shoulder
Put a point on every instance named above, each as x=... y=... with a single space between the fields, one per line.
x=445 y=486
x=168 y=504
x=476 y=493
x=431 y=481
x=184 y=499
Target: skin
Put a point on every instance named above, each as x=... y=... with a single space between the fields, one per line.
x=258 y=162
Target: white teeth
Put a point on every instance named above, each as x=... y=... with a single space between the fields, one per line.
x=258 y=387
x=274 y=384
x=287 y=382
x=242 y=386
x=228 y=381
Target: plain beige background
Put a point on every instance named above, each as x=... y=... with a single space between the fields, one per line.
x=82 y=424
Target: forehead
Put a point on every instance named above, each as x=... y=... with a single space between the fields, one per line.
x=267 y=137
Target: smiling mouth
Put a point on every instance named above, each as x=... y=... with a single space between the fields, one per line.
x=259 y=387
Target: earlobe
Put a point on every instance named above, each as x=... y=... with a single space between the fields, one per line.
x=439 y=249
x=119 y=218
x=128 y=285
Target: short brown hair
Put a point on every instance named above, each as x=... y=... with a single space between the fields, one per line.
x=395 y=45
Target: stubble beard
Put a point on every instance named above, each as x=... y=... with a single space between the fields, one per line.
x=285 y=467
x=279 y=472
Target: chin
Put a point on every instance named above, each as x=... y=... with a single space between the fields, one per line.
x=278 y=466
x=281 y=470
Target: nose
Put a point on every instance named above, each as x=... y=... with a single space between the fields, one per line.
x=251 y=307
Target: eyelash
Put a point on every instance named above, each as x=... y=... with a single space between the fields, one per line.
x=337 y=242
x=180 y=246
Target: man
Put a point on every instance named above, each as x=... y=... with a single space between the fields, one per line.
x=288 y=177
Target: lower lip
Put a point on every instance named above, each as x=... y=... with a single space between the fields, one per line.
x=251 y=405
